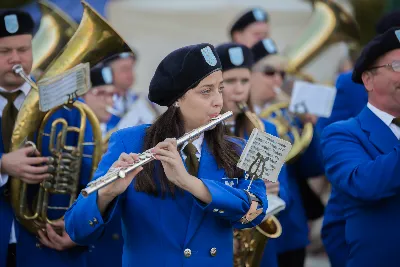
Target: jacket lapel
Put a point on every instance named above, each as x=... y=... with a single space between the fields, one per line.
x=380 y=135
x=208 y=169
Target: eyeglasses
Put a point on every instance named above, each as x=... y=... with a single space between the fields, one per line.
x=271 y=72
x=395 y=66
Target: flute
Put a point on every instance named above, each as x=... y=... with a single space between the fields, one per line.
x=147 y=157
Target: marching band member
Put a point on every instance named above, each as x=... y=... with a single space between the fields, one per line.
x=267 y=77
x=237 y=61
x=107 y=251
x=126 y=100
x=16 y=48
x=350 y=100
x=252 y=26
x=188 y=220
x=361 y=155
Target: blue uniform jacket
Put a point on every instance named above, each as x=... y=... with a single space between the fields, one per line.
x=350 y=99
x=294 y=220
x=168 y=226
x=361 y=158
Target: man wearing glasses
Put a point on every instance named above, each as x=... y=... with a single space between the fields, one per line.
x=362 y=157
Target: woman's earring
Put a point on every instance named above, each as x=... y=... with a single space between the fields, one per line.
x=176 y=104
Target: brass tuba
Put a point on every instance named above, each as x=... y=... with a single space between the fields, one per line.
x=56 y=29
x=252 y=241
x=330 y=24
x=93 y=41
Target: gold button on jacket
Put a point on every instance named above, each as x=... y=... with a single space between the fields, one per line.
x=213 y=252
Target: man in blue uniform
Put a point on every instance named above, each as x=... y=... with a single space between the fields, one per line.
x=361 y=157
x=131 y=107
x=47 y=248
x=350 y=99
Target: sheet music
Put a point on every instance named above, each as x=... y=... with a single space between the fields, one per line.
x=268 y=149
x=275 y=205
x=316 y=99
x=57 y=90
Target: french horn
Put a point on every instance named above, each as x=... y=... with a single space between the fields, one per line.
x=93 y=41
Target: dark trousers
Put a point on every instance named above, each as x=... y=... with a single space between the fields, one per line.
x=292 y=258
x=11 y=256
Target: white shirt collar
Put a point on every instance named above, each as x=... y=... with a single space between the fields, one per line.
x=25 y=88
x=385 y=117
x=197 y=143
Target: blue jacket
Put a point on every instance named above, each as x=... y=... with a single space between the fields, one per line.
x=350 y=99
x=168 y=226
x=361 y=158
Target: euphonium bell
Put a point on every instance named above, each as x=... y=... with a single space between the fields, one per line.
x=93 y=41
x=251 y=242
x=56 y=29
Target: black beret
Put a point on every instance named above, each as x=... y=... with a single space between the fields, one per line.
x=114 y=57
x=249 y=17
x=101 y=75
x=389 y=20
x=180 y=71
x=15 y=22
x=263 y=48
x=233 y=55
x=377 y=47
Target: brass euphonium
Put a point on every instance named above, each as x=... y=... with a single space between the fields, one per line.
x=252 y=241
x=56 y=29
x=94 y=40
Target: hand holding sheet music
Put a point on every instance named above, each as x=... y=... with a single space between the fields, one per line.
x=264 y=156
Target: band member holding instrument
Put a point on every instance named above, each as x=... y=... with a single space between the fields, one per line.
x=25 y=163
x=251 y=27
x=15 y=47
x=237 y=61
x=126 y=100
x=350 y=100
x=107 y=251
x=267 y=77
x=188 y=220
x=368 y=177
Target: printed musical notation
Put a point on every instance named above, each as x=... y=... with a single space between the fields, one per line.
x=63 y=88
x=264 y=155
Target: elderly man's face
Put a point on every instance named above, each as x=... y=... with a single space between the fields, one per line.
x=383 y=84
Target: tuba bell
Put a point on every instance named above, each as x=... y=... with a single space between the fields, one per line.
x=330 y=24
x=56 y=29
x=251 y=242
x=93 y=41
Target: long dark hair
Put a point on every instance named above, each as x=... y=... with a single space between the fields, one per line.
x=170 y=125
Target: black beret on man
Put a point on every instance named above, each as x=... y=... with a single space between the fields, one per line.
x=15 y=22
x=101 y=75
x=180 y=71
x=263 y=48
x=377 y=47
x=234 y=55
x=249 y=17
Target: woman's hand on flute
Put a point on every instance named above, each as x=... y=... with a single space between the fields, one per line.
x=111 y=191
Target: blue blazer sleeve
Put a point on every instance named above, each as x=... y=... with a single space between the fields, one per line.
x=234 y=201
x=83 y=221
x=353 y=172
